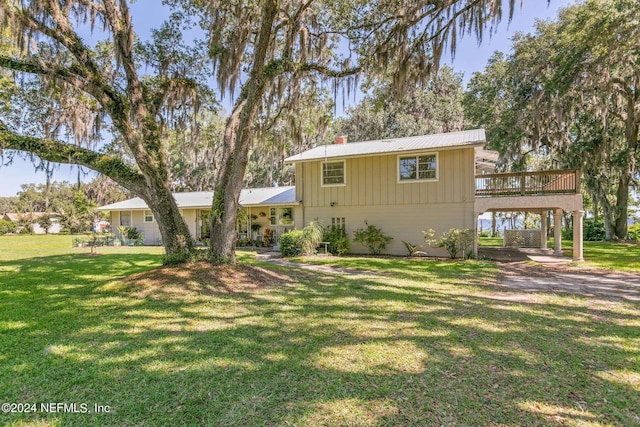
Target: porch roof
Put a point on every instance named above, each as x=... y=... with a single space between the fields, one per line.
x=268 y=196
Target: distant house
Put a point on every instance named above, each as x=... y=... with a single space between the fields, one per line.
x=32 y=219
x=401 y=185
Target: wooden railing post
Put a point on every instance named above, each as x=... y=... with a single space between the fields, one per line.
x=523 y=183
x=578 y=179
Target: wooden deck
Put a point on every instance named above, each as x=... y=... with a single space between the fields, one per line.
x=528 y=183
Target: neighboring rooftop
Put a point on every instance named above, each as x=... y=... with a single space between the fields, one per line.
x=474 y=137
x=203 y=199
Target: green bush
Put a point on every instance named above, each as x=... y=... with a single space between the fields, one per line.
x=268 y=238
x=372 y=238
x=7 y=226
x=291 y=243
x=311 y=237
x=338 y=241
x=454 y=241
x=593 y=230
x=633 y=232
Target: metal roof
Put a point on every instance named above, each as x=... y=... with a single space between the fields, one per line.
x=203 y=199
x=395 y=145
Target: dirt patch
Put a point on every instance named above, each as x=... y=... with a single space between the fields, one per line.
x=561 y=278
x=202 y=278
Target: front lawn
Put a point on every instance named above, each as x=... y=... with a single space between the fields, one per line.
x=411 y=342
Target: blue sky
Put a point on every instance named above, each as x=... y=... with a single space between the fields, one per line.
x=470 y=57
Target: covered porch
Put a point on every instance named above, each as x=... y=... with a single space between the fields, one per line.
x=555 y=191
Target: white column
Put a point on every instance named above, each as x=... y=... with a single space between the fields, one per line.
x=578 y=217
x=557 y=232
x=543 y=230
x=476 y=216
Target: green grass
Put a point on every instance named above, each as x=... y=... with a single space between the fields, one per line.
x=414 y=343
x=490 y=241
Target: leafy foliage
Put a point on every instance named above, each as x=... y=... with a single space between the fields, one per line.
x=435 y=107
x=291 y=243
x=338 y=240
x=372 y=238
x=311 y=236
x=570 y=94
x=268 y=238
x=455 y=241
x=7 y=226
x=593 y=230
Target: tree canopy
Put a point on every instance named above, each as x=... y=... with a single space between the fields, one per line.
x=570 y=91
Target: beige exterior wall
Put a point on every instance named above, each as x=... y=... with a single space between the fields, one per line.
x=402 y=223
x=373 y=181
x=401 y=209
x=192 y=218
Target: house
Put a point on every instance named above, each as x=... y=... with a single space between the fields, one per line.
x=31 y=218
x=401 y=185
x=273 y=208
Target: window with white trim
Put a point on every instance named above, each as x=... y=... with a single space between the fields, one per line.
x=338 y=222
x=421 y=167
x=125 y=218
x=148 y=216
x=333 y=173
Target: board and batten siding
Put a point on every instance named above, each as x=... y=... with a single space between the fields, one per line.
x=401 y=209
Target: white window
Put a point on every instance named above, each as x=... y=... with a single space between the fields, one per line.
x=272 y=216
x=148 y=216
x=333 y=173
x=338 y=222
x=421 y=167
x=286 y=216
x=125 y=218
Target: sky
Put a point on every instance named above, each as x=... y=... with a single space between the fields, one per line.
x=470 y=57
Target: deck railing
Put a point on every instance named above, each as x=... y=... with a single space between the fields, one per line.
x=528 y=183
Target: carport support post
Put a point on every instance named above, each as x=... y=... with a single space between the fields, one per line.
x=475 y=240
x=578 y=235
x=543 y=230
x=557 y=232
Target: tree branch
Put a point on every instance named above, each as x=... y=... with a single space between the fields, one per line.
x=60 y=152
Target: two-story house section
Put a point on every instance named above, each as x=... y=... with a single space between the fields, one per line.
x=401 y=185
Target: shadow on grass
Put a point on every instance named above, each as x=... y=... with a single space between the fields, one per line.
x=259 y=345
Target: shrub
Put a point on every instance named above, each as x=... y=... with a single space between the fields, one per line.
x=291 y=243
x=593 y=230
x=7 y=226
x=633 y=232
x=372 y=238
x=27 y=229
x=454 y=241
x=412 y=249
x=338 y=241
x=485 y=233
x=311 y=236
x=267 y=237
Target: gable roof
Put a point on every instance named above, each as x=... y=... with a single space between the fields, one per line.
x=17 y=216
x=203 y=199
x=394 y=145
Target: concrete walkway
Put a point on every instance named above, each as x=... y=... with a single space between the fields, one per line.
x=503 y=254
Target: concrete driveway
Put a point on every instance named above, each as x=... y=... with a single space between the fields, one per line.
x=552 y=273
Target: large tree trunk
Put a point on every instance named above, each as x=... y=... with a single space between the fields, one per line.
x=621 y=209
x=237 y=140
x=176 y=238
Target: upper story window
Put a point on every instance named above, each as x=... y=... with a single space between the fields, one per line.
x=148 y=216
x=333 y=173
x=421 y=167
